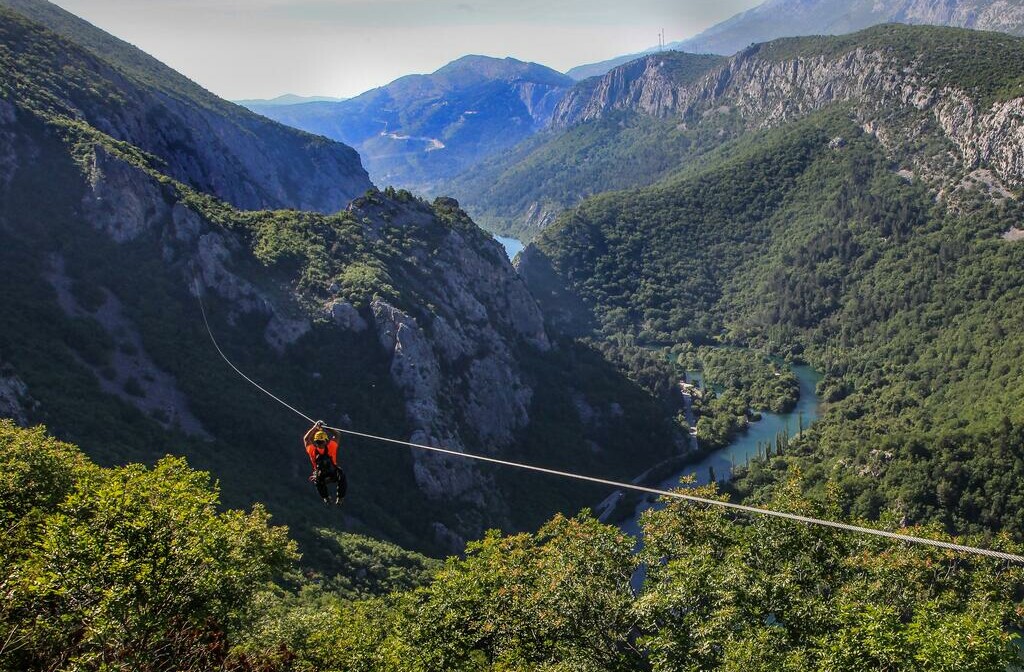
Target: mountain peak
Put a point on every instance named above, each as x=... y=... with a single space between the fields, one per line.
x=507 y=68
x=790 y=18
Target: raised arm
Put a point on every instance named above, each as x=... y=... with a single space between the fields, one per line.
x=308 y=438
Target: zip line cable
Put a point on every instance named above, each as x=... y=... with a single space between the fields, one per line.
x=999 y=555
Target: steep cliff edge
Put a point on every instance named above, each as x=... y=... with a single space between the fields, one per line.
x=656 y=85
x=199 y=139
x=903 y=84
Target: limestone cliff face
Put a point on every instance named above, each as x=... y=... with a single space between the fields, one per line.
x=769 y=92
x=894 y=99
x=457 y=362
x=454 y=336
x=646 y=85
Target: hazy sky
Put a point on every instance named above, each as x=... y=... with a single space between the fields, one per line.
x=262 y=48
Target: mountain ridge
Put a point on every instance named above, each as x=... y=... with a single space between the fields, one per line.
x=394 y=313
x=419 y=128
x=966 y=84
x=792 y=18
x=199 y=139
x=773 y=19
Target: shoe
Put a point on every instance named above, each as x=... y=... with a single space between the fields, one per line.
x=327 y=502
x=339 y=501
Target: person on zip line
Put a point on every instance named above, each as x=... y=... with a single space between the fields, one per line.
x=322 y=449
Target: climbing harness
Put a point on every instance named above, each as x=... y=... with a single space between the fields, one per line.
x=935 y=543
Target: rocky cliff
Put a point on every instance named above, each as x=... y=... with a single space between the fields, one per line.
x=902 y=83
x=448 y=333
x=657 y=85
x=394 y=316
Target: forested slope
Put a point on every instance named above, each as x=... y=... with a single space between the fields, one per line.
x=212 y=145
x=135 y=568
x=604 y=135
x=943 y=102
x=809 y=244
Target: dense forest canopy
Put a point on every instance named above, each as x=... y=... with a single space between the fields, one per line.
x=137 y=568
x=809 y=245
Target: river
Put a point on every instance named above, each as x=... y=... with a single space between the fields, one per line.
x=744 y=447
x=511 y=245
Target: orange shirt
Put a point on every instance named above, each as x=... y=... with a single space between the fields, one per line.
x=332 y=450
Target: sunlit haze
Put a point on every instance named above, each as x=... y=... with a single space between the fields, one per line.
x=263 y=48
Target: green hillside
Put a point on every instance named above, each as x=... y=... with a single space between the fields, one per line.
x=100 y=250
x=197 y=138
x=818 y=250
x=986 y=65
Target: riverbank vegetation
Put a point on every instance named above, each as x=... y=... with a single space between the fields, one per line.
x=736 y=384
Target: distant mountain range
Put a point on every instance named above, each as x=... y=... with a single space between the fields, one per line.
x=421 y=127
x=288 y=99
x=792 y=18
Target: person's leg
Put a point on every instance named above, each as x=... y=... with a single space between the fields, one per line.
x=321 y=485
x=342 y=486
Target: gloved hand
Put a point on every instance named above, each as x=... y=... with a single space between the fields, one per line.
x=319 y=424
x=312 y=477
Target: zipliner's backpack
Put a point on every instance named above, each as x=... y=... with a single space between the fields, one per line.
x=324 y=465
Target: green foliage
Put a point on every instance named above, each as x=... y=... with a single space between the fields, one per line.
x=763 y=383
x=351 y=566
x=127 y=568
x=555 y=600
x=557 y=169
x=717 y=594
x=135 y=568
x=821 y=252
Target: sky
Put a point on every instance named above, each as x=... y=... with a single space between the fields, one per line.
x=264 y=48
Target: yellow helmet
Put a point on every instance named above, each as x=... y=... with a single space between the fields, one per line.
x=320 y=436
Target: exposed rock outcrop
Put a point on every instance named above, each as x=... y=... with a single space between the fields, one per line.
x=132 y=374
x=652 y=85
x=14 y=397
x=765 y=91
